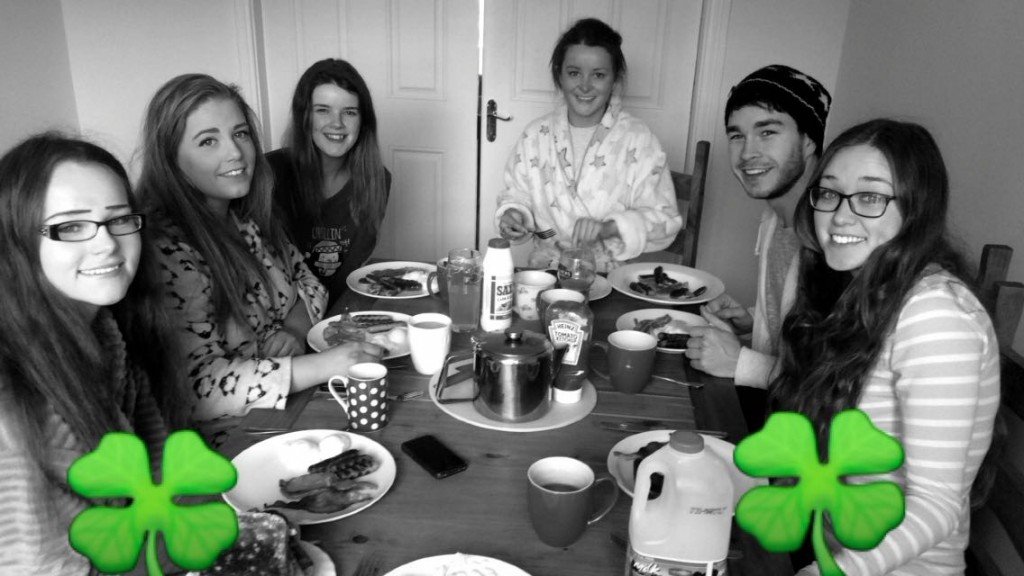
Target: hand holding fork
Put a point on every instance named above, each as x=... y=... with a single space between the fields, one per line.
x=512 y=227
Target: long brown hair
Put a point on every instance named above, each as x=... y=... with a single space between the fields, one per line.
x=50 y=357
x=834 y=333
x=369 y=202
x=180 y=206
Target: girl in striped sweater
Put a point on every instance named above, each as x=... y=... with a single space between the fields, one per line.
x=883 y=321
x=80 y=349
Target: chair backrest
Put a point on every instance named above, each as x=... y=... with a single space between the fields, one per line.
x=690 y=197
x=994 y=266
x=1003 y=300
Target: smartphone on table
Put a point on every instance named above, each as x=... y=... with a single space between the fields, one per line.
x=433 y=456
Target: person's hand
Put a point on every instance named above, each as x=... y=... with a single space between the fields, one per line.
x=728 y=309
x=512 y=225
x=349 y=354
x=713 y=350
x=282 y=343
x=588 y=230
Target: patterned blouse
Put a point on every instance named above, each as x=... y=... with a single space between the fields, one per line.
x=227 y=371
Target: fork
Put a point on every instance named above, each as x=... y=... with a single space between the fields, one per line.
x=370 y=565
x=544 y=234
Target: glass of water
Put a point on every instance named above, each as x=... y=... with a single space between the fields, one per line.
x=576 y=269
x=465 y=288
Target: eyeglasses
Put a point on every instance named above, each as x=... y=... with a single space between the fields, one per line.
x=82 y=230
x=865 y=204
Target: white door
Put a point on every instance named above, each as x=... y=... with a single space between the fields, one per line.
x=419 y=58
x=660 y=39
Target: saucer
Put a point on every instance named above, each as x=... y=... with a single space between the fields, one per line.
x=558 y=416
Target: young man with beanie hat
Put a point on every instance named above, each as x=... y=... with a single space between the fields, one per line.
x=775 y=122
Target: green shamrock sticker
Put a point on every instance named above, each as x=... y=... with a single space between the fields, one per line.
x=861 y=514
x=112 y=537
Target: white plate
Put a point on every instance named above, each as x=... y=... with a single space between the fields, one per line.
x=622 y=468
x=457 y=565
x=558 y=416
x=600 y=288
x=355 y=275
x=260 y=467
x=625 y=322
x=621 y=277
x=322 y=563
x=315 y=336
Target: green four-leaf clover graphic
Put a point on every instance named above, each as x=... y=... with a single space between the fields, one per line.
x=112 y=537
x=861 y=514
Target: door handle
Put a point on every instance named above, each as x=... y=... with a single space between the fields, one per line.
x=492 y=118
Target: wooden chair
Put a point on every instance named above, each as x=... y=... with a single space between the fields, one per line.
x=1004 y=300
x=690 y=198
x=997 y=527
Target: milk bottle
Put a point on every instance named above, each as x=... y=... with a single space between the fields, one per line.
x=685 y=529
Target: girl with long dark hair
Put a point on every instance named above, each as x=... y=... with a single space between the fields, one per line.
x=241 y=297
x=82 y=351
x=330 y=180
x=884 y=321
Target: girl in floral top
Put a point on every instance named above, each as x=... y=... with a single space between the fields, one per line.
x=589 y=171
x=239 y=292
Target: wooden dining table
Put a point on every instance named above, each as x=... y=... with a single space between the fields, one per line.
x=483 y=510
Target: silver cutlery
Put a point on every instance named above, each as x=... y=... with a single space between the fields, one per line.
x=648 y=425
x=405 y=396
x=544 y=234
x=695 y=385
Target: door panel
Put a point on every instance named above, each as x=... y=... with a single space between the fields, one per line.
x=419 y=59
x=660 y=39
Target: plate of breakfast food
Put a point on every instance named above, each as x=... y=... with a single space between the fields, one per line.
x=387 y=329
x=670 y=327
x=392 y=280
x=457 y=565
x=670 y=284
x=312 y=476
x=624 y=458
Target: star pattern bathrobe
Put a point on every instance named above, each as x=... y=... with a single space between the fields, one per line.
x=624 y=177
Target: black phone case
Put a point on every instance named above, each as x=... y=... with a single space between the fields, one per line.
x=436 y=458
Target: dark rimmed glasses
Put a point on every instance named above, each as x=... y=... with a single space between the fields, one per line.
x=865 y=204
x=82 y=230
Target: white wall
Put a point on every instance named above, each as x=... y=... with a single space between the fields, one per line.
x=954 y=67
x=122 y=51
x=35 y=75
x=804 y=34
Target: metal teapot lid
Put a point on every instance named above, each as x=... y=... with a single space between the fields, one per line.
x=516 y=343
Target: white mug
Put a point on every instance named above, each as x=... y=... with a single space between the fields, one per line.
x=430 y=339
x=530 y=283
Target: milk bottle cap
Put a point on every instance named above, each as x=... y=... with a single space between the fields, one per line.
x=686 y=441
x=498 y=243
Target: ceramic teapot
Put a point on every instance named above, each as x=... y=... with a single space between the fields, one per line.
x=513 y=372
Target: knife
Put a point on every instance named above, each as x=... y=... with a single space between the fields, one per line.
x=648 y=425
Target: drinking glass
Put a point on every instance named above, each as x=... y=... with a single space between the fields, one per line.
x=465 y=288
x=576 y=269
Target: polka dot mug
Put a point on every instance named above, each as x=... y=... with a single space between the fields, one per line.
x=365 y=400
